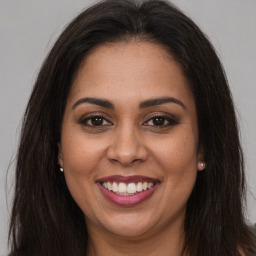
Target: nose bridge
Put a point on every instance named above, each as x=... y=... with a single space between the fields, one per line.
x=127 y=145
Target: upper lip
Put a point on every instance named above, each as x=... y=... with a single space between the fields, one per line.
x=127 y=179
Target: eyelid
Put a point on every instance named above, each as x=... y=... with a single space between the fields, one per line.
x=159 y=114
x=172 y=119
x=169 y=117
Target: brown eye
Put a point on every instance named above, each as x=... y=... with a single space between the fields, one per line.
x=158 y=121
x=161 y=121
x=93 y=121
x=97 y=120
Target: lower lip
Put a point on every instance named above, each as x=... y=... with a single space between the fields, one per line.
x=128 y=200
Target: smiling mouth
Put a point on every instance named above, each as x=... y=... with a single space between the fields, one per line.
x=133 y=188
x=120 y=188
x=127 y=190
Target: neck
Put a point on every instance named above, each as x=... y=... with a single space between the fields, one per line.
x=167 y=242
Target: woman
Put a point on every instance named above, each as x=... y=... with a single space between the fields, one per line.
x=130 y=143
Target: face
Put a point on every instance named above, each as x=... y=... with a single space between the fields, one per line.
x=129 y=144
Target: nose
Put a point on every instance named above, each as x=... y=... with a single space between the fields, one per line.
x=127 y=147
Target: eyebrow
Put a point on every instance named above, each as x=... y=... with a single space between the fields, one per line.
x=145 y=104
x=160 y=101
x=95 y=101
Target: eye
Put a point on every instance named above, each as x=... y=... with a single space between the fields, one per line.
x=160 y=121
x=95 y=120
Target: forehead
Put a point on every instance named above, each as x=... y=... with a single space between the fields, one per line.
x=132 y=71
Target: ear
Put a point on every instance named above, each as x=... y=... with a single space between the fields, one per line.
x=60 y=155
x=201 y=164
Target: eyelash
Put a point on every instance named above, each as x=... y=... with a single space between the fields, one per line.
x=84 y=120
x=171 y=121
x=168 y=121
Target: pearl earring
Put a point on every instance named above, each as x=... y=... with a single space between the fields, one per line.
x=202 y=164
x=59 y=158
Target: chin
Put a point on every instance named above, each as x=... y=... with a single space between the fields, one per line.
x=129 y=226
x=129 y=232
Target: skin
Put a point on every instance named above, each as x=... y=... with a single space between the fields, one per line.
x=129 y=143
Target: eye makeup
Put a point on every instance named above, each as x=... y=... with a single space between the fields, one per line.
x=161 y=120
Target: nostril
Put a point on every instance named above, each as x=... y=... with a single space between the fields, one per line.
x=127 y=156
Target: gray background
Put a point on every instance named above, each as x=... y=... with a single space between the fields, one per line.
x=28 y=29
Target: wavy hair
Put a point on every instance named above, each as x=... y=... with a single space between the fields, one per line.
x=45 y=219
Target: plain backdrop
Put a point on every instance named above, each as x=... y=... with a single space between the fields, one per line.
x=28 y=29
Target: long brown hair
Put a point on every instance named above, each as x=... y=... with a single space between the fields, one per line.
x=45 y=219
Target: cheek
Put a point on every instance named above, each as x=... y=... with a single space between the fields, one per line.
x=177 y=157
x=81 y=158
x=80 y=153
x=177 y=152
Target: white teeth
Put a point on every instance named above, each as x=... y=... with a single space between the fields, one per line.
x=114 y=187
x=139 y=187
x=122 y=187
x=144 y=185
x=109 y=186
x=150 y=185
x=131 y=188
x=127 y=189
